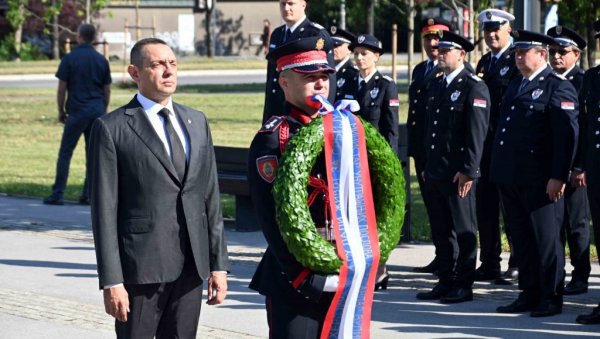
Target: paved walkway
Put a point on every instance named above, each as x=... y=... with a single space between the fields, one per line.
x=48 y=289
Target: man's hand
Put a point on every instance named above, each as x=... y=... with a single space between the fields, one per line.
x=62 y=117
x=578 y=178
x=116 y=302
x=555 y=189
x=217 y=288
x=464 y=184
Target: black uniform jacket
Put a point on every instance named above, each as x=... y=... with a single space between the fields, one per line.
x=279 y=274
x=417 y=100
x=590 y=96
x=537 y=131
x=274 y=98
x=575 y=76
x=457 y=123
x=379 y=103
x=345 y=76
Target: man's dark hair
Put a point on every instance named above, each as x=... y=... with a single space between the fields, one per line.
x=87 y=32
x=136 y=57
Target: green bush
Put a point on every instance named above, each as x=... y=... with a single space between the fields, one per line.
x=28 y=51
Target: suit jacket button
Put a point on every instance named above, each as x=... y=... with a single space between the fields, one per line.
x=507 y=118
x=501 y=142
x=274 y=91
x=432 y=146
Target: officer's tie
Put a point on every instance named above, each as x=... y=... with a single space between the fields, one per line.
x=286 y=37
x=177 y=152
x=524 y=83
x=492 y=63
x=428 y=67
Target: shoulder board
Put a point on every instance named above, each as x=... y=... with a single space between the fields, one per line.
x=439 y=74
x=272 y=124
x=317 y=25
x=388 y=78
x=560 y=76
x=475 y=77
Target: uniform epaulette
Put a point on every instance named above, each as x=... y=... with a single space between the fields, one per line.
x=560 y=76
x=271 y=124
x=388 y=78
x=439 y=74
x=475 y=77
x=317 y=25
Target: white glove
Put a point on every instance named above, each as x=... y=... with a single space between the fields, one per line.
x=331 y=283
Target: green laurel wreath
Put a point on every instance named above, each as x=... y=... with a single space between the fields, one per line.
x=292 y=213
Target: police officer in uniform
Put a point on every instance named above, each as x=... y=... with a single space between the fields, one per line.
x=532 y=154
x=345 y=70
x=497 y=69
x=376 y=93
x=564 y=54
x=590 y=129
x=458 y=109
x=423 y=74
x=296 y=26
x=297 y=299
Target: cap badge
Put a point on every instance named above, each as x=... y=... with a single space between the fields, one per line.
x=559 y=30
x=361 y=39
x=430 y=21
x=341 y=82
x=320 y=44
x=374 y=92
x=536 y=94
x=440 y=33
x=515 y=34
x=333 y=29
x=454 y=96
x=488 y=15
x=504 y=70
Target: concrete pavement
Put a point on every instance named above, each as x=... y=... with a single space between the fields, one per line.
x=48 y=289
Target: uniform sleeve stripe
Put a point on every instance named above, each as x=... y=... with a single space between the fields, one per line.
x=301 y=277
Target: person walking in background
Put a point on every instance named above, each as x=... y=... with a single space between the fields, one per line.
x=497 y=68
x=296 y=26
x=156 y=215
x=423 y=75
x=84 y=81
x=344 y=68
x=564 y=54
x=532 y=154
x=266 y=36
x=458 y=109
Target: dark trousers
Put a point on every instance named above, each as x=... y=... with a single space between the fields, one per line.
x=576 y=231
x=164 y=310
x=535 y=224
x=296 y=317
x=593 y=191
x=75 y=126
x=454 y=232
x=419 y=168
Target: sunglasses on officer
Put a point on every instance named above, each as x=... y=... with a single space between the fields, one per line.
x=561 y=52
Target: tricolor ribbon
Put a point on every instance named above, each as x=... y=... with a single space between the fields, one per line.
x=353 y=218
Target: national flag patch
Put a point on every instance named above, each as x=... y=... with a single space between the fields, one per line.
x=267 y=167
x=480 y=103
x=567 y=105
x=394 y=103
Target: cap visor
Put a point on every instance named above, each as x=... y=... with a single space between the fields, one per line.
x=314 y=69
x=491 y=25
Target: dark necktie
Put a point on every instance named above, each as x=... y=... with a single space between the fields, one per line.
x=428 y=67
x=492 y=63
x=177 y=152
x=286 y=37
x=524 y=83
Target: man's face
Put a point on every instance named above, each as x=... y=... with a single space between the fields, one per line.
x=449 y=59
x=365 y=59
x=529 y=60
x=340 y=52
x=563 y=58
x=292 y=10
x=157 y=77
x=498 y=38
x=429 y=41
x=297 y=86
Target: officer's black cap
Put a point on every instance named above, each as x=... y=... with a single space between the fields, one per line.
x=434 y=25
x=565 y=37
x=340 y=36
x=306 y=55
x=597 y=29
x=451 y=40
x=527 y=39
x=367 y=41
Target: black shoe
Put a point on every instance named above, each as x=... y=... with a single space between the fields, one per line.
x=436 y=293
x=590 y=319
x=546 y=309
x=518 y=306
x=83 y=200
x=430 y=268
x=382 y=281
x=484 y=273
x=53 y=200
x=457 y=295
x=512 y=273
x=575 y=287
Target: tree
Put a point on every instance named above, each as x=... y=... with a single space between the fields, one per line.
x=580 y=15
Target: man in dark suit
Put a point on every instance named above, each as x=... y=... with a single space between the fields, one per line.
x=345 y=70
x=497 y=69
x=590 y=131
x=423 y=75
x=156 y=214
x=458 y=109
x=532 y=154
x=296 y=26
x=564 y=54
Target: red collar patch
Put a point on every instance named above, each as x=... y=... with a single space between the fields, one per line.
x=267 y=167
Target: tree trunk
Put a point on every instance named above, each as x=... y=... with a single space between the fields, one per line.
x=55 y=36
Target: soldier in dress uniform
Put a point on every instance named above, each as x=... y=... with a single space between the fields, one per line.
x=423 y=74
x=497 y=69
x=296 y=26
x=458 y=109
x=590 y=131
x=345 y=70
x=297 y=299
x=564 y=54
x=532 y=155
